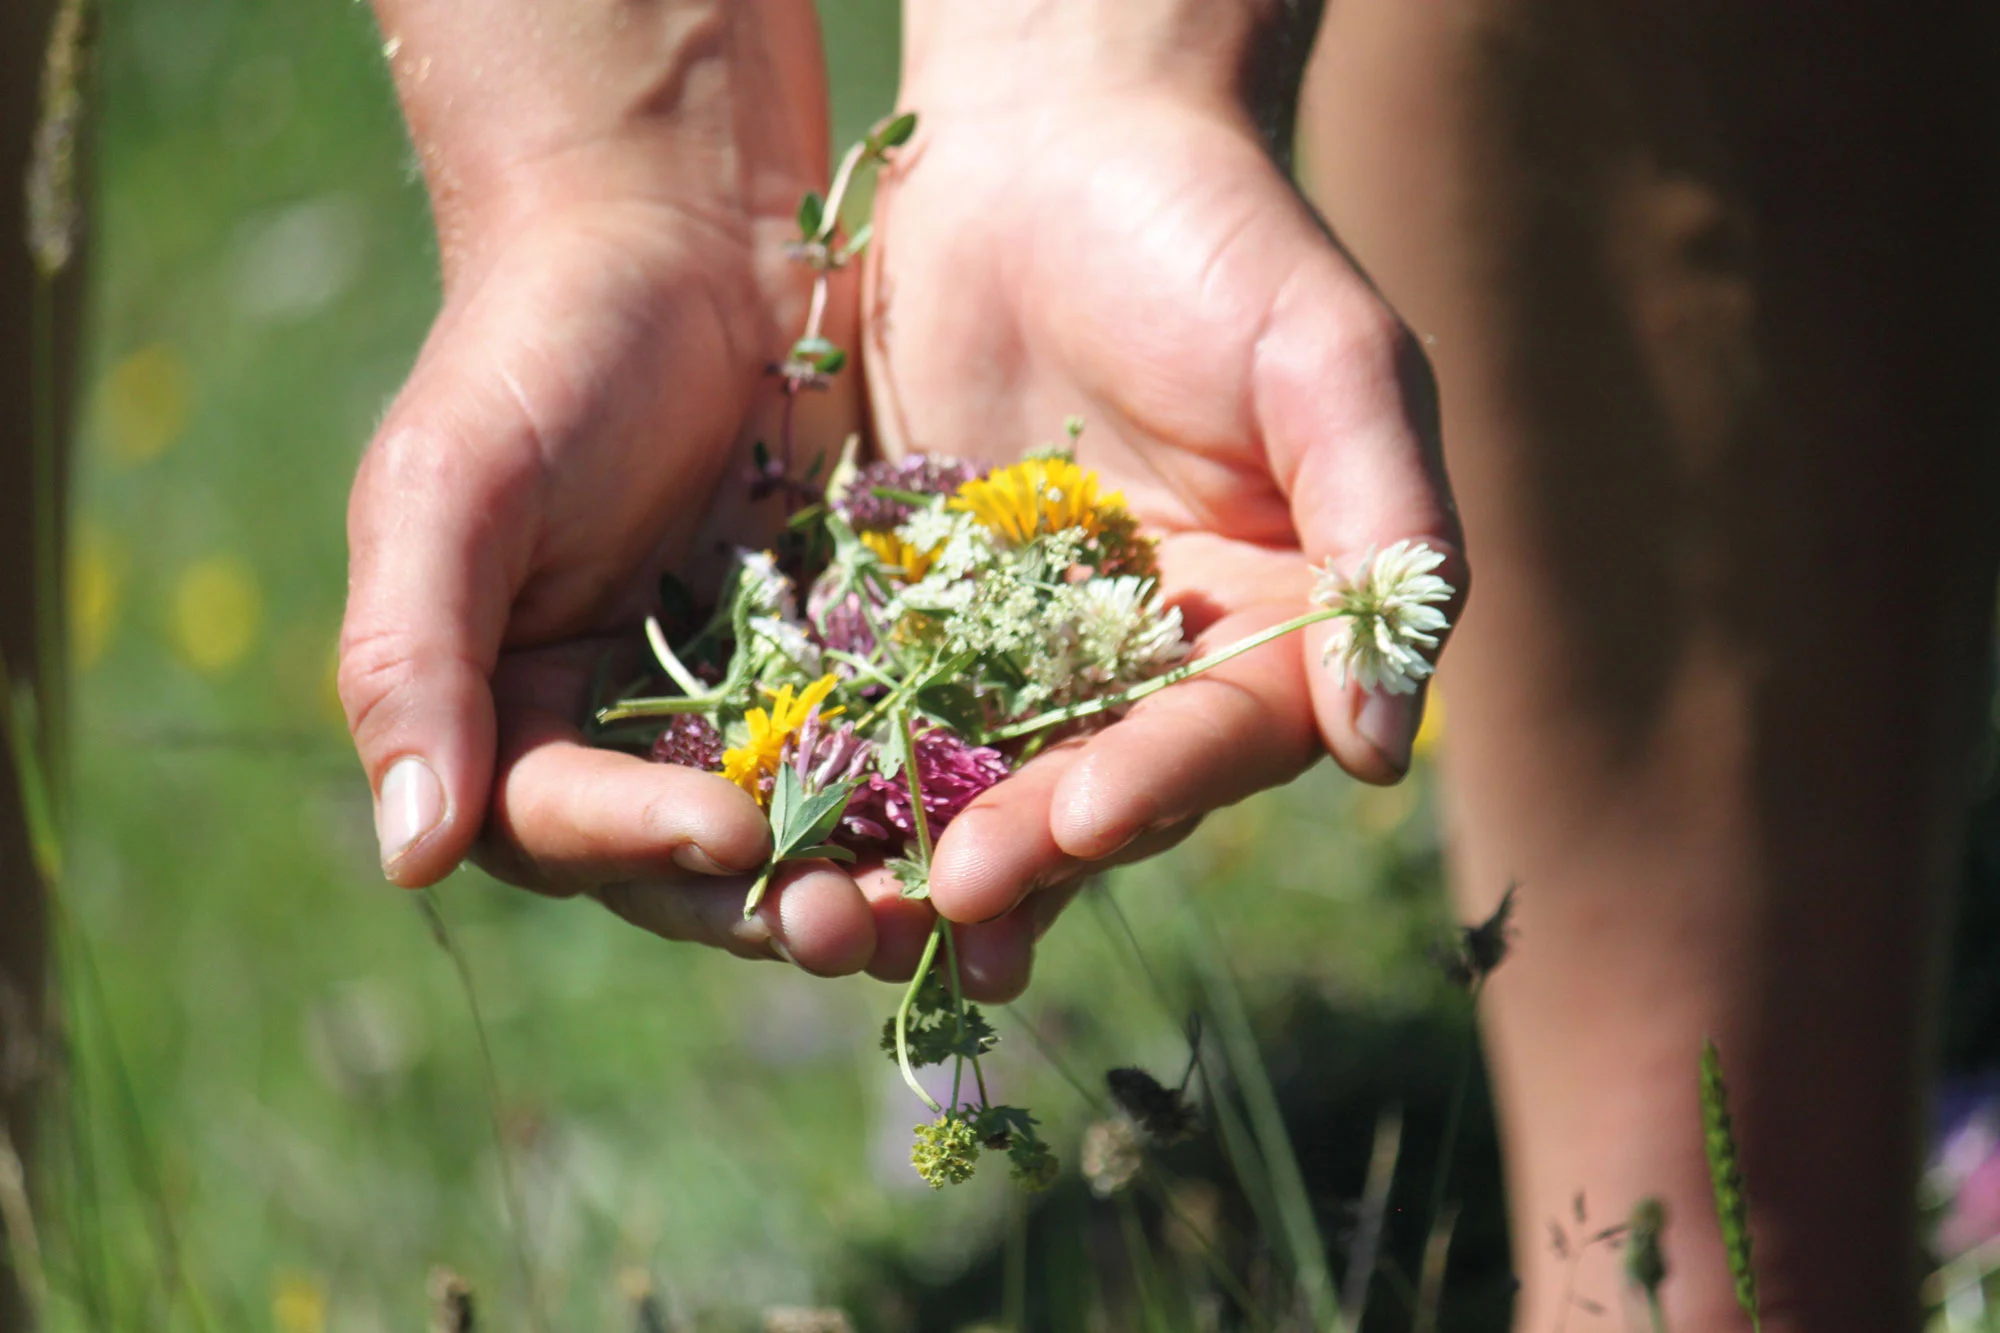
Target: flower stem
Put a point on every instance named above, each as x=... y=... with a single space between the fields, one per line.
x=756 y=894
x=903 y=1016
x=663 y=651
x=843 y=177
x=918 y=820
x=1055 y=717
x=957 y=1007
x=627 y=709
x=1455 y=1113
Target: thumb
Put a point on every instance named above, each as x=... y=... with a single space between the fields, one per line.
x=437 y=526
x=1347 y=406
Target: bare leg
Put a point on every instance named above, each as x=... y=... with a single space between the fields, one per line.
x=1711 y=294
x=24 y=29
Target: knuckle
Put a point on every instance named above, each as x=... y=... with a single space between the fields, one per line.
x=376 y=672
x=1370 y=341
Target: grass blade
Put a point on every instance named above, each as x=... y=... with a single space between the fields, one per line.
x=1267 y=1123
x=517 y=1218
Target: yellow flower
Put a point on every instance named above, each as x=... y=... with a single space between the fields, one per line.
x=143 y=403
x=1037 y=495
x=298 y=1305
x=749 y=763
x=217 y=608
x=899 y=555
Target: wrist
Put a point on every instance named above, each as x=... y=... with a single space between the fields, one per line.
x=1248 y=53
x=520 y=107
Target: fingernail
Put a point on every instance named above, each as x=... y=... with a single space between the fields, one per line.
x=411 y=805
x=1389 y=723
x=695 y=861
x=783 y=954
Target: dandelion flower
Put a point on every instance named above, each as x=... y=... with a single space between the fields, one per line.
x=749 y=764
x=1037 y=495
x=1388 y=613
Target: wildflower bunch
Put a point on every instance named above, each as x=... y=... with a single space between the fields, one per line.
x=924 y=626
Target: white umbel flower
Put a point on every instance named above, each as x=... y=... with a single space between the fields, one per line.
x=1388 y=613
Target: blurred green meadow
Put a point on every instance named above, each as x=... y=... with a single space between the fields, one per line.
x=277 y=1113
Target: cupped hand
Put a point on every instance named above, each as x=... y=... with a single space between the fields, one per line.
x=1135 y=256
x=576 y=423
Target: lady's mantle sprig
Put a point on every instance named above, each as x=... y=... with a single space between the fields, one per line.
x=929 y=623
x=1388 y=612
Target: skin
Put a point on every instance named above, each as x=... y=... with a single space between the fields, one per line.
x=615 y=288
x=1092 y=220
x=1709 y=293
x=611 y=213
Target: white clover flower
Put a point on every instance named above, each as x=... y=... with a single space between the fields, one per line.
x=1123 y=631
x=1388 y=612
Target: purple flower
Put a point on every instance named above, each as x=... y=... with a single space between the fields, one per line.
x=922 y=474
x=840 y=617
x=822 y=755
x=691 y=741
x=951 y=772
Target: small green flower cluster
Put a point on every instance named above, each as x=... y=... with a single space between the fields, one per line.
x=947 y=1149
x=934 y=1026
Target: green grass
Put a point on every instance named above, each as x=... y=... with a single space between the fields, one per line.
x=281 y=1088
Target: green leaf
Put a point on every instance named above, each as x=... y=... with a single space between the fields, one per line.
x=822 y=813
x=18 y=711
x=801 y=823
x=896 y=133
x=935 y=1034
x=831 y=363
x=812 y=210
x=915 y=499
x=786 y=792
x=813 y=349
x=1009 y=1120
x=955 y=706
x=858 y=242
x=912 y=874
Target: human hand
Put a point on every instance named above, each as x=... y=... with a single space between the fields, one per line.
x=612 y=204
x=1088 y=222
